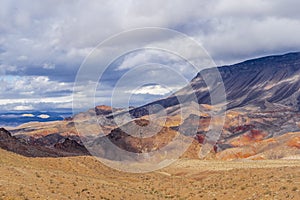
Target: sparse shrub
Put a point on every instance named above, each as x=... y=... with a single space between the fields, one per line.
x=268 y=192
x=37 y=175
x=282 y=188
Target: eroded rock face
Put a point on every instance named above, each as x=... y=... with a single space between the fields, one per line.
x=248 y=138
x=32 y=149
x=11 y=143
x=4 y=134
x=103 y=110
x=236 y=153
x=294 y=142
x=71 y=146
x=139 y=139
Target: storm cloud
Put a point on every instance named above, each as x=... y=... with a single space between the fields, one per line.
x=43 y=43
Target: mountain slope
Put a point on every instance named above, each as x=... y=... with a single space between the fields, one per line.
x=262 y=105
x=263 y=99
x=20 y=146
x=273 y=79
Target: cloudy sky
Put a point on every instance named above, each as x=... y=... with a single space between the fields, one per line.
x=44 y=43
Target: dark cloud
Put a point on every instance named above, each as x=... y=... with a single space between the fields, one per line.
x=52 y=38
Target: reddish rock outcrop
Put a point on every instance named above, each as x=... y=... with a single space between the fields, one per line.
x=294 y=142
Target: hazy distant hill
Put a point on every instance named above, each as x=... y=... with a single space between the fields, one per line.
x=20 y=117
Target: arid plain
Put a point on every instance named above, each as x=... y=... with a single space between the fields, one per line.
x=84 y=177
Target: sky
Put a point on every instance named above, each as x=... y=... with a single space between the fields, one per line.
x=43 y=45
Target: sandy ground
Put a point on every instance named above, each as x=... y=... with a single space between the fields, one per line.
x=86 y=178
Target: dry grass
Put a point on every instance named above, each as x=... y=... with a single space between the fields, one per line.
x=86 y=178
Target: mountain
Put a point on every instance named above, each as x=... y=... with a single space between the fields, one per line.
x=11 y=143
x=256 y=82
x=20 y=146
x=263 y=99
x=16 y=118
x=262 y=118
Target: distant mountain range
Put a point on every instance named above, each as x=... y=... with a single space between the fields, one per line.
x=17 y=118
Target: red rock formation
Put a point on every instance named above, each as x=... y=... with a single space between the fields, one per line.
x=294 y=142
x=248 y=138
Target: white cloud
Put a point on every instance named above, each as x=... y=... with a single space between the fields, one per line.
x=152 y=90
x=22 y=58
x=4 y=69
x=65 y=99
x=28 y=115
x=43 y=116
x=32 y=92
x=49 y=66
x=19 y=108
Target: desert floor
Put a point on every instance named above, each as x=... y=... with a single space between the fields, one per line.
x=86 y=178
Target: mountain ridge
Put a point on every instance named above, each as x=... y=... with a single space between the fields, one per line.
x=258 y=72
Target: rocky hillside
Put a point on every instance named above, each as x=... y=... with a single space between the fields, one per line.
x=66 y=147
x=272 y=79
